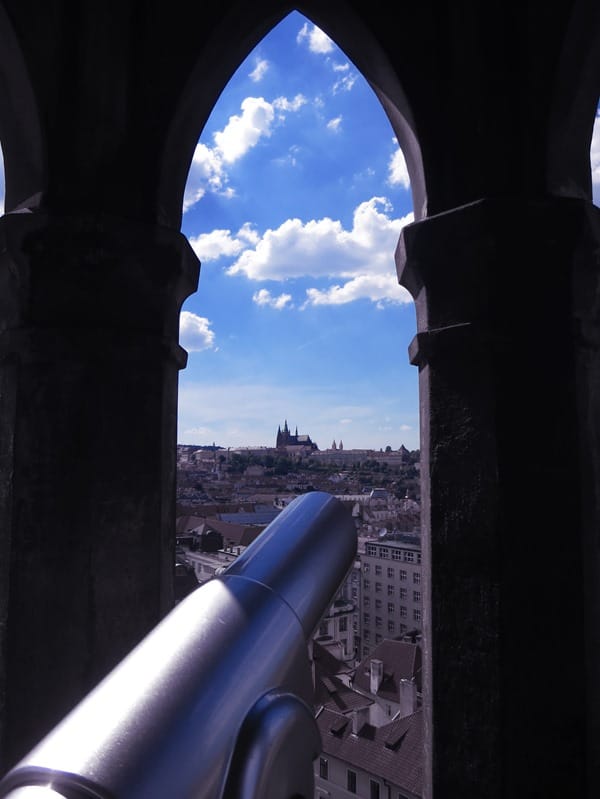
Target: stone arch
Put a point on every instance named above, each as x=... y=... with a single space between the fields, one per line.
x=20 y=129
x=216 y=64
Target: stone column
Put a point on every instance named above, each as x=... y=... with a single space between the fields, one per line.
x=510 y=404
x=89 y=360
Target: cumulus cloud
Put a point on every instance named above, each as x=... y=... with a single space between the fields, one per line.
x=206 y=173
x=195 y=334
x=315 y=38
x=218 y=243
x=595 y=160
x=363 y=256
x=259 y=70
x=264 y=297
x=398 y=171
x=244 y=130
x=208 y=170
x=380 y=289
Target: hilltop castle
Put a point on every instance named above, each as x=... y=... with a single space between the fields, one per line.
x=285 y=439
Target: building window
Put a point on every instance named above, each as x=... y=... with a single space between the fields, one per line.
x=417 y=578
x=366 y=618
x=351 y=781
x=409 y=557
x=378 y=588
x=374 y=792
x=366 y=585
x=402 y=628
x=390 y=590
x=366 y=601
x=403 y=574
x=396 y=554
x=390 y=572
x=417 y=614
x=377 y=621
x=367 y=635
x=377 y=569
x=391 y=607
x=416 y=596
x=378 y=603
x=403 y=593
x=323 y=628
x=366 y=567
x=384 y=552
x=343 y=624
x=377 y=638
x=371 y=549
x=391 y=626
x=366 y=651
x=323 y=768
x=403 y=612
x=418 y=557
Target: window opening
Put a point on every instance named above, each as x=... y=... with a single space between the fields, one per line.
x=295 y=200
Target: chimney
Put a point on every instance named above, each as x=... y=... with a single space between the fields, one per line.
x=407 y=697
x=376 y=674
x=360 y=717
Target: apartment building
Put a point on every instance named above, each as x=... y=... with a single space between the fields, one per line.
x=391 y=589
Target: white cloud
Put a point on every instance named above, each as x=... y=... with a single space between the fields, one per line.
x=381 y=289
x=322 y=248
x=194 y=332
x=219 y=243
x=206 y=174
x=341 y=67
x=595 y=159
x=398 y=171
x=318 y=42
x=345 y=84
x=264 y=297
x=335 y=124
x=259 y=70
x=283 y=104
x=242 y=132
x=208 y=170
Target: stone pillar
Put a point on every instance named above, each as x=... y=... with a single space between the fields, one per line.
x=510 y=403
x=89 y=360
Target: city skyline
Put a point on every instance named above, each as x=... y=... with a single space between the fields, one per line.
x=294 y=203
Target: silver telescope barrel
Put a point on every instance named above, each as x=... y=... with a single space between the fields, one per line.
x=217 y=701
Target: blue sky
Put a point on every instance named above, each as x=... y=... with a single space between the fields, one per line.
x=294 y=204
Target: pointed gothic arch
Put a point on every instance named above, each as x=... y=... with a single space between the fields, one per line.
x=231 y=42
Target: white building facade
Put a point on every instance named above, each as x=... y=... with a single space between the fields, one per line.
x=391 y=590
